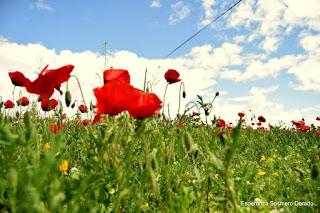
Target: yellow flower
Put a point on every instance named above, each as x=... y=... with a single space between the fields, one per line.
x=261 y=173
x=270 y=160
x=263 y=158
x=64 y=166
x=46 y=146
x=276 y=174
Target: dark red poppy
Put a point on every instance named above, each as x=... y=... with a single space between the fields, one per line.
x=172 y=76
x=83 y=108
x=55 y=128
x=259 y=123
x=64 y=116
x=8 y=104
x=18 y=79
x=318 y=118
x=298 y=123
x=49 y=105
x=111 y=75
x=241 y=114
x=221 y=123
x=24 y=101
x=114 y=97
x=85 y=122
x=261 y=119
x=147 y=105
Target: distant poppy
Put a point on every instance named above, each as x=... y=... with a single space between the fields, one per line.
x=259 y=123
x=304 y=128
x=147 y=105
x=261 y=119
x=18 y=79
x=8 y=104
x=172 y=76
x=85 y=122
x=64 y=116
x=49 y=105
x=318 y=118
x=298 y=123
x=241 y=114
x=55 y=128
x=111 y=75
x=83 y=108
x=221 y=123
x=24 y=101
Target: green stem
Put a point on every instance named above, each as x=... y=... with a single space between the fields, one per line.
x=164 y=97
x=145 y=79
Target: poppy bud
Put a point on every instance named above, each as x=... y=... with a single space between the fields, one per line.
x=68 y=98
x=73 y=105
x=18 y=102
x=184 y=94
x=217 y=93
x=17 y=114
x=314 y=172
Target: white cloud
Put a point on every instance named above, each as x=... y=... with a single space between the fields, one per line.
x=155 y=4
x=180 y=11
x=270 y=44
x=263 y=90
x=208 y=12
x=311 y=43
x=42 y=5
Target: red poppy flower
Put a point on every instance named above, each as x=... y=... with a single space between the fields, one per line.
x=48 y=80
x=64 y=116
x=298 y=123
x=261 y=119
x=18 y=79
x=259 y=123
x=147 y=105
x=221 y=123
x=85 y=122
x=304 y=128
x=49 y=105
x=24 y=101
x=116 y=75
x=8 y=104
x=83 y=108
x=318 y=118
x=241 y=114
x=55 y=128
x=172 y=76
x=114 y=97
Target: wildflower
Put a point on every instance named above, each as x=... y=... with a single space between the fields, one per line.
x=259 y=123
x=46 y=146
x=172 y=76
x=221 y=123
x=18 y=79
x=263 y=158
x=49 y=105
x=261 y=173
x=8 y=104
x=64 y=166
x=64 y=116
x=270 y=160
x=318 y=118
x=85 y=122
x=119 y=75
x=275 y=174
x=24 y=101
x=195 y=113
x=261 y=119
x=182 y=125
x=298 y=123
x=241 y=114
x=55 y=128
x=304 y=128
x=83 y=108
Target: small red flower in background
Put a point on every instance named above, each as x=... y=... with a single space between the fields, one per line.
x=261 y=119
x=120 y=75
x=18 y=79
x=304 y=128
x=172 y=76
x=147 y=105
x=85 y=122
x=221 y=123
x=49 y=105
x=316 y=132
x=24 y=101
x=64 y=116
x=318 y=118
x=298 y=123
x=241 y=114
x=259 y=123
x=83 y=108
x=8 y=104
x=55 y=128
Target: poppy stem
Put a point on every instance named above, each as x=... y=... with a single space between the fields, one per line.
x=100 y=78
x=169 y=112
x=164 y=97
x=13 y=93
x=80 y=89
x=181 y=85
x=105 y=43
x=145 y=80
x=149 y=87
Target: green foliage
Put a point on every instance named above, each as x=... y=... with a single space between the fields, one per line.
x=124 y=165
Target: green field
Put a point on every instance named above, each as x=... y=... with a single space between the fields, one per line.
x=125 y=165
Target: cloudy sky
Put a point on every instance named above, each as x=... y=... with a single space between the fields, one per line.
x=263 y=56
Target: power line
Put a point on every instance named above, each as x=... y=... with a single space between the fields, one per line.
x=203 y=28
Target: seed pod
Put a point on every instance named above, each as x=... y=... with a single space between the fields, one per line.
x=68 y=98
x=184 y=94
x=73 y=105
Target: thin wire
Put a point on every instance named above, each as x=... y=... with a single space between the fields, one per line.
x=203 y=28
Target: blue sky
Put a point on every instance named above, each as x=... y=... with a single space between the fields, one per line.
x=263 y=55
